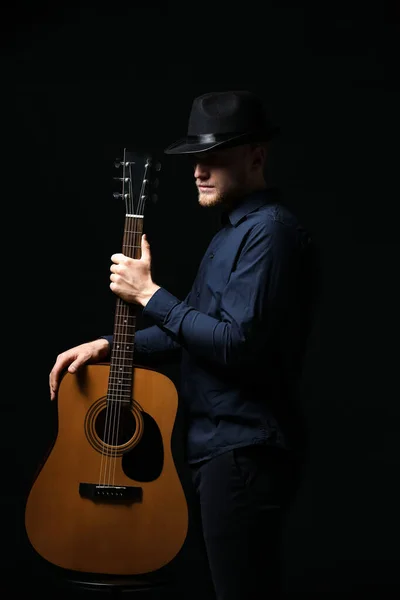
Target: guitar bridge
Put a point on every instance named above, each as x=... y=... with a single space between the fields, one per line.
x=111 y=494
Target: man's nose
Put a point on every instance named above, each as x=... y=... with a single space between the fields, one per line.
x=200 y=171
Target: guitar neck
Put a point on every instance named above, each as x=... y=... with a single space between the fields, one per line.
x=121 y=363
x=132 y=239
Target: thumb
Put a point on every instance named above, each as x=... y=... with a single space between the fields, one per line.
x=146 y=255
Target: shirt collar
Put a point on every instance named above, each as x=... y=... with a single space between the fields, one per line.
x=249 y=203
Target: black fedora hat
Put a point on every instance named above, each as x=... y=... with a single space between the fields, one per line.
x=224 y=119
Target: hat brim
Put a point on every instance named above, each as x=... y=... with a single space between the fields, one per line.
x=192 y=145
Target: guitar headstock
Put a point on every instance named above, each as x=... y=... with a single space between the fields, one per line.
x=139 y=177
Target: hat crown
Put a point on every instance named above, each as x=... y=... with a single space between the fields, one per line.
x=223 y=119
x=227 y=112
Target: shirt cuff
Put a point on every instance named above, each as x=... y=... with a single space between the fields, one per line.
x=166 y=311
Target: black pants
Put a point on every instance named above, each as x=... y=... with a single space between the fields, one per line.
x=241 y=498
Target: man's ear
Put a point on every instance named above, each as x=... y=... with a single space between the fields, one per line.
x=259 y=155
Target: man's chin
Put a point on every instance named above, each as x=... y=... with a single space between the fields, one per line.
x=209 y=198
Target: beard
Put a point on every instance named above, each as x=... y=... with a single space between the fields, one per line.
x=211 y=197
x=214 y=197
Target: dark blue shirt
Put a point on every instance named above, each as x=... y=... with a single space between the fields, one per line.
x=235 y=329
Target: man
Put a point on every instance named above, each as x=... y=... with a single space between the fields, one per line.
x=240 y=332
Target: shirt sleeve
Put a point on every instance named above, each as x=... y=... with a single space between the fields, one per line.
x=150 y=341
x=252 y=303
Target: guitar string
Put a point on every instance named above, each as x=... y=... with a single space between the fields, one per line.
x=128 y=317
x=104 y=461
x=124 y=318
x=109 y=426
x=124 y=314
x=119 y=375
x=120 y=391
x=133 y=239
x=132 y=242
x=113 y=410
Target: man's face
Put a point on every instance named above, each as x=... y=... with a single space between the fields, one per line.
x=222 y=176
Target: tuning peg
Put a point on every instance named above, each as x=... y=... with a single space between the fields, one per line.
x=154 y=198
x=117 y=195
x=120 y=163
x=158 y=166
x=126 y=179
x=156 y=183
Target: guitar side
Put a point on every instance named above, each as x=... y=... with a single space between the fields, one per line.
x=86 y=511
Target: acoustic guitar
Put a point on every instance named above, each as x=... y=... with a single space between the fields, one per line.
x=108 y=498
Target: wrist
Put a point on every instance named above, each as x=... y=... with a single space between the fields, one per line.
x=103 y=348
x=145 y=297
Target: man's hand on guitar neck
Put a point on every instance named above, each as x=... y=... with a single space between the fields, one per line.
x=72 y=359
x=131 y=277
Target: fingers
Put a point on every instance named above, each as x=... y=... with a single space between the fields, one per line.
x=120 y=258
x=117 y=265
x=73 y=367
x=54 y=380
x=117 y=258
x=74 y=359
x=65 y=360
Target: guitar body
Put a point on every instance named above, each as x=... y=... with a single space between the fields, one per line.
x=108 y=498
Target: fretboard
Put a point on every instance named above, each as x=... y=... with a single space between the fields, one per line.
x=121 y=363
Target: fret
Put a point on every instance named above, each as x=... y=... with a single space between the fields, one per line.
x=120 y=373
x=119 y=387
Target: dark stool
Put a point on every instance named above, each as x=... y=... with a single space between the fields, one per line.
x=47 y=583
x=117 y=588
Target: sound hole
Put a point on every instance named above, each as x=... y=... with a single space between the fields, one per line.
x=115 y=424
x=145 y=461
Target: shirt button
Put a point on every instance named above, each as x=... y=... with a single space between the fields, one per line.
x=212 y=255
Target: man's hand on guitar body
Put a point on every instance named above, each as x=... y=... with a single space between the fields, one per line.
x=72 y=359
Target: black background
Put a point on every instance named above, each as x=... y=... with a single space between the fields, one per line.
x=80 y=83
